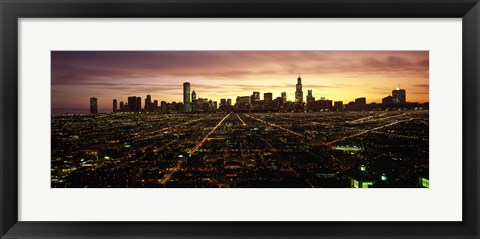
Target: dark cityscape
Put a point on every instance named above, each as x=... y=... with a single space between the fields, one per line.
x=244 y=142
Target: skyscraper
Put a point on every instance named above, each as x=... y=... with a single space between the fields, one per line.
x=134 y=104
x=338 y=105
x=121 y=106
x=93 y=105
x=138 y=106
x=229 y=102
x=268 y=97
x=194 y=96
x=387 y=100
x=163 y=106
x=298 y=91
x=148 y=103
x=210 y=105
x=114 y=106
x=132 y=101
x=186 y=97
x=310 y=98
x=361 y=101
x=399 y=96
x=255 y=97
x=324 y=104
x=155 y=106
x=284 y=97
x=243 y=100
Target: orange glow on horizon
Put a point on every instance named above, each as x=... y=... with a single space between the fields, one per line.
x=335 y=75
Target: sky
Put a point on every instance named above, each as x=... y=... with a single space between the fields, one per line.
x=336 y=75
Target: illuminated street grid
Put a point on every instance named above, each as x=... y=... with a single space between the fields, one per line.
x=317 y=149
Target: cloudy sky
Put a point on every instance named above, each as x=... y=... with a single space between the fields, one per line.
x=336 y=75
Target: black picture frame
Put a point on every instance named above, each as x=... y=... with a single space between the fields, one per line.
x=11 y=11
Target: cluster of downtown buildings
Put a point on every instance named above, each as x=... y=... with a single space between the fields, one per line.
x=240 y=146
x=253 y=103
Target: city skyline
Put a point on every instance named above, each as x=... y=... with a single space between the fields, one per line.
x=240 y=119
x=254 y=103
x=335 y=75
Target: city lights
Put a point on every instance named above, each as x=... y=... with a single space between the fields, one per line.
x=252 y=143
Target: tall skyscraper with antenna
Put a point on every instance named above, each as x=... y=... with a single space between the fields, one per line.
x=298 y=91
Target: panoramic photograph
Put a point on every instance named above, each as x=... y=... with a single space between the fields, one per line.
x=240 y=119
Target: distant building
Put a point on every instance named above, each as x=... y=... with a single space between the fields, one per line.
x=268 y=97
x=223 y=105
x=122 y=106
x=382 y=183
x=114 y=109
x=298 y=91
x=134 y=104
x=155 y=106
x=310 y=99
x=399 y=96
x=210 y=106
x=242 y=103
x=148 y=103
x=138 y=107
x=255 y=97
x=361 y=178
x=323 y=104
x=186 y=97
x=338 y=105
x=194 y=96
x=178 y=107
x=423 y=179
x=284 y=97
x=163 y=106
x=229 y=102
x=361 y=101
x=387 y=100
x=223 y=102
x=93 y=105
x=204 y=105
x=241 y=100
x=194 y=104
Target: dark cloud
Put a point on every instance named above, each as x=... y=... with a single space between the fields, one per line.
x=70 y=67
